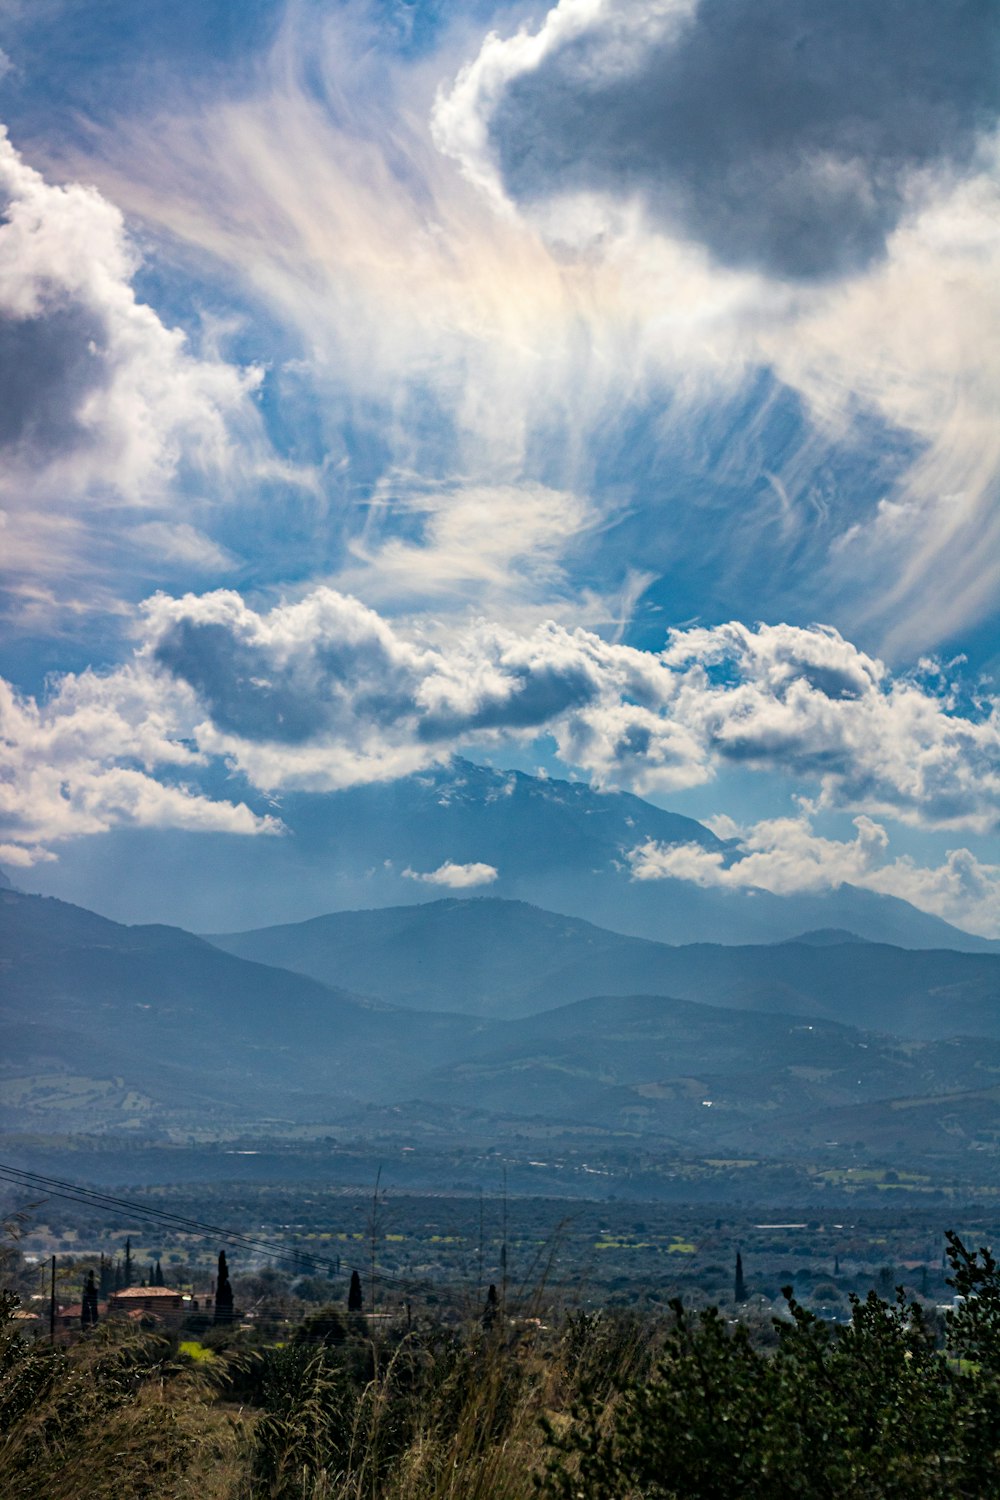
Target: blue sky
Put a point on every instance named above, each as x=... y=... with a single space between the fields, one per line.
x=608 y=388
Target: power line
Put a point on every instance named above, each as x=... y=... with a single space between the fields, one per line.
x=58 y=1188
x=73 y=1192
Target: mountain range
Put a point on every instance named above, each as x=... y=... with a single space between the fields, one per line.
x=488 y=957
x=555 y=844
x=152 y=1029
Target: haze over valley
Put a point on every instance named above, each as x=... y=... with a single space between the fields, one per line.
x=478 y=1017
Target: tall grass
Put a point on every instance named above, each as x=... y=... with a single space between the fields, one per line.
x=111 y=1416
x=436 y=1417
x=428 y=1413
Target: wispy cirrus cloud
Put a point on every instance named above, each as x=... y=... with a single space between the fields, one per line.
x=495 y=544
x=485 y=315
x=846 y=166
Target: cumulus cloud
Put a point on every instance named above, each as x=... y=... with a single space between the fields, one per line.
x=101 y=405
x=324 y=692
x=778 y=137
x=784 y=855
x=93 y=757
x=810 y=703
x=456 y=877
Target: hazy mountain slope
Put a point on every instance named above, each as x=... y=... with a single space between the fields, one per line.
x=929 y=993
x=497 y=958
x=81 y=993
x=645 y=1062
x=150 y=1027
x=674 y=911
x=559 y=845
x=480 y=956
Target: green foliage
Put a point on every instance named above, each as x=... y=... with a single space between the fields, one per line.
x=701 y=1407
x=325 y=1326
x=974 y=1325
x=870 y=1409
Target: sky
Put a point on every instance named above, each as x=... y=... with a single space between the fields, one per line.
x=607 y=389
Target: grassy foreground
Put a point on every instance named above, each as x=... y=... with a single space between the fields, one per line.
x=598 y=1407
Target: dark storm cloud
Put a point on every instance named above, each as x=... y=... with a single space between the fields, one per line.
x=779 y=133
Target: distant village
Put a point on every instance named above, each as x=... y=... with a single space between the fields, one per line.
x=115 y=1292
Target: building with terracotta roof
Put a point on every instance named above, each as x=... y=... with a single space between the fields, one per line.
x=161 y=1302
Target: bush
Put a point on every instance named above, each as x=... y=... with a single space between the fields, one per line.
x=871 y=1409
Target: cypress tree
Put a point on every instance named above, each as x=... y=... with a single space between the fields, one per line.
x=128 y=1262
x=106 y=1281
x=491 y=1309
x=223 y=1293
x=740 y=1286
x=88 y=1306
x=355 y=1297
x=158 y=1274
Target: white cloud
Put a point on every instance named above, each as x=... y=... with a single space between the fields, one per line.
x=183 y=543
x=807 y=702
x=463 y=113
x=91 y=758
x=617 y=150
x=104 y=408
x=456 y=877
x=783 y=855
x=918 y=341
x=480 y=349
x=476 y=539
x=25 y=855
x=324 y=693
x=484 y=366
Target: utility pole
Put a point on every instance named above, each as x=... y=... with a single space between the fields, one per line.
x=503 y=1247
x=374 y=1235
x=52 y=1304
x=479 y=1282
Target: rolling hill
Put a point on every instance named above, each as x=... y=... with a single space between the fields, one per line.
x=497 y=958
x=152 y=1030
